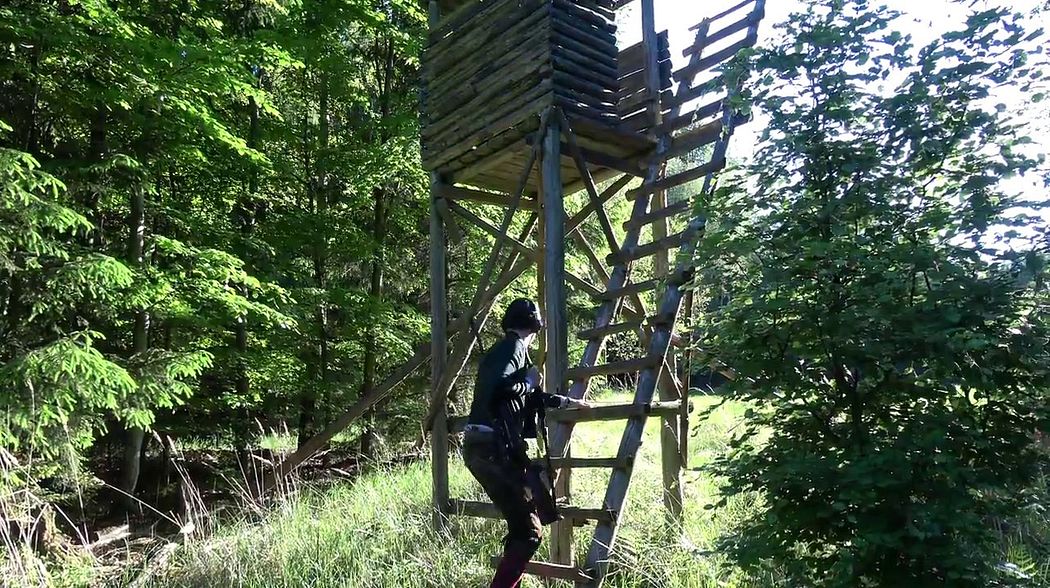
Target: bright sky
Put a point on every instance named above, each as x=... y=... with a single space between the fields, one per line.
x=924 y=20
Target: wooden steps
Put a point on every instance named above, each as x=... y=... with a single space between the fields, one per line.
x=715 y=165
x=652 y=248
x=553 y=570
x=614 y=412
x=588 y=462
x=609 y=330
x=617 y=367
x=658 y=215
x=629 y=289
x=487 y=510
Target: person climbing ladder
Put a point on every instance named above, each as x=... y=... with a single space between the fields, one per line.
x=508 y=397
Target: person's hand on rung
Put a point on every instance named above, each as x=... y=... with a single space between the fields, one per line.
x=573 y=403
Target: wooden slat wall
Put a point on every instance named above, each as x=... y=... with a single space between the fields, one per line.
x=583 y=53
x=494 y=64
x=484 y=77
x=633 y=99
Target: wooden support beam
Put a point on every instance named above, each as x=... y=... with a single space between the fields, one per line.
x=456 y=193
x=659 y=214
x=652 y=62
x=439 y=352
x=562 y=531
x=451 y=227
x=715 y=165
x=557 y=352
x=588 y=182
x=487 y=510
x=627 y=366
x=463 y=352
x=558 y=571
x=438 y=337
x=488 y=227
x=614 y=412
x=367 y=400
x=609 y=193
x=670 y=458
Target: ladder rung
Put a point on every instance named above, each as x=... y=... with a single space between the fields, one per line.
x=615 y=412
x=695 y=139
x=617 y=367
x=691 y=70
x=658 y=215
x=487 y=510
x=668 y=242
x=629 y=289
x=553 y=570
x=606 y=331
x=587 y=462
x=698 y=114
x=677 y=179
x=736 y=27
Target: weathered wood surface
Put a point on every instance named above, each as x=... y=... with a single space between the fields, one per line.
x=613 y=329
x=626 y=366
x=438 y=353
x=724 y=33
x=504 y=200
x=658 y=214
x=472 y=508
x=655 y=247
x=490 y=66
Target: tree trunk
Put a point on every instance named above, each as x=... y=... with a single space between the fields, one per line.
x=140 y=337
x=245 y=216
x=375 y=290
x=319 y=199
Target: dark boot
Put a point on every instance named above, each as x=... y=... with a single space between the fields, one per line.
x=512 y=566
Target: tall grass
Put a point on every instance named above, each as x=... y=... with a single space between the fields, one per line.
x=376 y=532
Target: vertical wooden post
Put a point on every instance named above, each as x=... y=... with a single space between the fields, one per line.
x=687 y=382
x=438 y=338
x=670 y=425
x=556 y=360
x=651 y=42
x=554 y=295
x=438 y=358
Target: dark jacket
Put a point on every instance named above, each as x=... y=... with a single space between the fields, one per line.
x=501 y=388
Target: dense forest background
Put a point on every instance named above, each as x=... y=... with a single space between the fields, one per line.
x=214 y=235
x=214 y=223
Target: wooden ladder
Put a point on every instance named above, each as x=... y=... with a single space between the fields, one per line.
x=659 y=327
x=678 y=133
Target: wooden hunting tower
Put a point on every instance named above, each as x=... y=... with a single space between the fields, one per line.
x=509 y=84
x=525 y=102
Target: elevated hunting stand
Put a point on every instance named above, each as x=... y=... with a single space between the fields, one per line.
x=512 y=83
x=525 y=102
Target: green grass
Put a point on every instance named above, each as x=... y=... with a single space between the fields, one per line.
x=376 y=531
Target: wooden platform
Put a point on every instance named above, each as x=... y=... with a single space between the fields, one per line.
x=494 y=66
